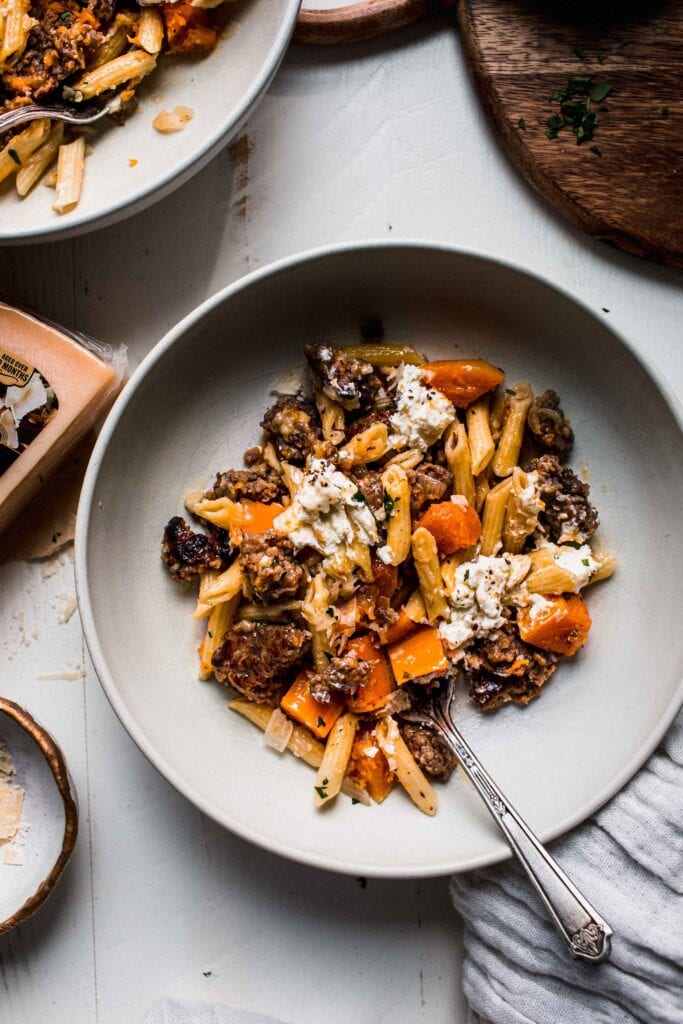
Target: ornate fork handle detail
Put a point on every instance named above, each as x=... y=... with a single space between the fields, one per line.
x=585 y=933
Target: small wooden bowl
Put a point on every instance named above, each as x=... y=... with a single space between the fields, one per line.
x=50 y=811
x=364 y=20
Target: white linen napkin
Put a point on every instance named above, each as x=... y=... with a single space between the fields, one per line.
x=628 y=860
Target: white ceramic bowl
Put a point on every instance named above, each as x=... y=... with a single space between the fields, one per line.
x=193 y=407
x=222 y=88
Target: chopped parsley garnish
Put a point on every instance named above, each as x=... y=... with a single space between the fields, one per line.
x=354 y=801
x=580 y=52
x=467 y=574
x=584 y=561
x=321 y=722
x=65 y=16
x=389 y=504
x=665 y=111
x=522 y=124
x=321 y=790
x=15 y=156
x=209 y=634
x=358 y=496
x=406 y=675
x=575 y=108
x=330 y=612
x=596 y=150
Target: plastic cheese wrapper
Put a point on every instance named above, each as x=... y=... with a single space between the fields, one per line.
x=55 y=386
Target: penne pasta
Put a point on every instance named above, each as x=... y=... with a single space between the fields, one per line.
x=226 y=586
x=34 y=166
x=331 y=418
x=301 y=743
x=397 y=505
x=293 y=478
x=493 y=518
x=521 y=518
x=271 y=457
x=551 y=579
x=415 y=607
x=206 y=581
x=280 y=612
x=497 y=414
x=70 y=167
x=150 y=31
x=134 y=64
x=21 y=146
x=219 y=622
x=114 y=43
x=16 y=25
x=335 y=759
x=367 y=446
x=402 y=762
x=426 y=558
x=510 y=444
x=607 y=566
x=223 y=512
x=408 y=459
x=482 y=486
x=479 y=435
x=457 y=452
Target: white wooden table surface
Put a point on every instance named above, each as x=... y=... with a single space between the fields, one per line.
x=383 y=140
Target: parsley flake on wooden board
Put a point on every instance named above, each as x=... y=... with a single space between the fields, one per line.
x=575 y=112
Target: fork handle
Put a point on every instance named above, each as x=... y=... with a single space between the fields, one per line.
x=585 y=933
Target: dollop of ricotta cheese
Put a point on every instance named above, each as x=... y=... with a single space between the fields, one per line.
x=578 y=561
x=476 y=600
x=422 y=413
x=328 y=511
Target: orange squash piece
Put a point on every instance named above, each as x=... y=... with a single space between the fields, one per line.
x=371 y=773
x=463 y=381
x=454 y=526
x=303 y=708
x=418 y=655
x=372 y=695
x=561 y=625
x=402 y=628
x=259 y=517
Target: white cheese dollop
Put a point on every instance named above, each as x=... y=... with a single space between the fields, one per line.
x=578 y=561
x=476 y=600
x=327 y=512
x=422 y=413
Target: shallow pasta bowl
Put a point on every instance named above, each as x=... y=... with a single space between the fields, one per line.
x=131 y=167
x=194 y=406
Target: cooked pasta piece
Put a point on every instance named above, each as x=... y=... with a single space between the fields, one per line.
x=219 y=622
x=426 y=557
x=20 y=147
x=336 y=758
x=401 y=761
x=521 y=518
x=270 y=456
x=479 y=435
x=367 y=446
x=150 y=31
x=16 y=25
x=134 y=64
x=225 y=587
x=408 y=459
x=70 y=167
x=457 y=452
x=493 y=519
x=482 y=486
x=397 y=504
x=551 y=579
x=331 y=418
x=223 y=512
x=293 y=477
x=115 y=42
x=34 y=166
x=206 y=581
x=497 y=415
x=509 y=446
x=380 y=354
x=301 y=743
x=415 y=607
x=607 y=565
x=280 y=612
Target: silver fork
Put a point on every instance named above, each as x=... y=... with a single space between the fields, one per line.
x=87 y=114
x=585 y=933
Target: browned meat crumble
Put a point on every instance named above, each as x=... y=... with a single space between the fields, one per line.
x=428 y=482
x=270 y=566
x=501 y=668
x=548 y=425
x=292 y=423
x=258 y=483
x=351 y=382
x=187 y=553
x=568 y=516
x=371 y=487
x=257 y=658
x=343 y=675
x=432 y=753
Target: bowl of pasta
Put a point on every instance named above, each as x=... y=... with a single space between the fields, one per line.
x=180 y=78
x=350 y=479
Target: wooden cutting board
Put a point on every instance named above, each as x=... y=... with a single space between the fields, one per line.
x=521 y=53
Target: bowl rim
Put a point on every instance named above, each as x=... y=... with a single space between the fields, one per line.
x=85 y=508
x=177 y=174
x=56 y=761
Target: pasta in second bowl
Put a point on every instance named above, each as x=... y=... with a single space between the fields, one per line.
x=559 y=757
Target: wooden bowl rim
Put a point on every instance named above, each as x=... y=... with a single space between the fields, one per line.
x=363 y=20
x=57 y=764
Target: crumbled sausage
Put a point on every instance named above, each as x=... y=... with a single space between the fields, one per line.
x=548 y=425
x=501 y=668
x=189 y=29
x=257 y=658
x=367 y=420
x=270 y=567
x=568 y=516
x=432 y=753
x=187 y=553
x=258 y=483
x=292 y=424
x=351 y=382
x=343 y=675
x=428 y=482
x=371 y=487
